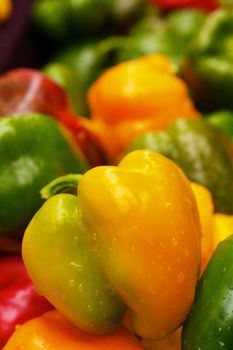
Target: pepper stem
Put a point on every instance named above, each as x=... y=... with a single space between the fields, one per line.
x=61 y=184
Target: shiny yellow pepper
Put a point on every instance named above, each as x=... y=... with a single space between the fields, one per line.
x=143 y=221
x=143 y=229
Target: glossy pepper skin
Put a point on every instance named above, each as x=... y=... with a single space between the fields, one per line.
x=131 y=98
x=151 y=227
x=34 y=149
x=19 y=300
x=203 y=152
x=55 y=332
x=210 y=323
x=143 y=238
x=85 y=18
x=208 y=69
x=24 y=91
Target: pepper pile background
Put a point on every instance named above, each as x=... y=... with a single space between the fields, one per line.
x=90 y=121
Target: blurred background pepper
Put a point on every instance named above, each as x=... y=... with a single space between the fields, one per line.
x=34 y=149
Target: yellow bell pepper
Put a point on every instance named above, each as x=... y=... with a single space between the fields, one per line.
x=140 y=225
x=136 y=96
x=144 y=225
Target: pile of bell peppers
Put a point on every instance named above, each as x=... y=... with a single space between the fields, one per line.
x=117 y=181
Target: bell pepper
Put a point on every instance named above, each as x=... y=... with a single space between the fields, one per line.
x=222 y=120
x=24 y=91
x=132 y=97
x=168 y=5
x=127 y=242
x=34 y=149
x=208 y=69
x=19 y=300
x=55 y=332
x=84 y=18
x=203 y=152
x=210 y=323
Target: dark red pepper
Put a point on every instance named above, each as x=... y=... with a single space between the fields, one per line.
x=24 y=91
x=19 y=300
x=168 y=5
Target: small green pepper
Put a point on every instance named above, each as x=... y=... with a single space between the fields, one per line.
x=34 y=149
x=202 y=151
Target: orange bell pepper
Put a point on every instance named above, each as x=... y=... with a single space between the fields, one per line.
x=52 y=331
x=136 y=96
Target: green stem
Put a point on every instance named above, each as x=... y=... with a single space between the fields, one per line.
x=61 y=184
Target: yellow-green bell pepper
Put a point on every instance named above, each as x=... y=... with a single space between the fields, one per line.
x=129 y=241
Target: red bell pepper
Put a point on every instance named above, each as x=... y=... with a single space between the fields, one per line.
x=167 y=5
x=19 y=300
x=25 y=90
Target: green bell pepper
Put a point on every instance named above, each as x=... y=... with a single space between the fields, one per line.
x=210 y=323
x=203 y=152
x=208 y=69
x=222 y=120
x=34 y=149
x=72 y=282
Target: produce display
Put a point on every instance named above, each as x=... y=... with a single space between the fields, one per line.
x=116 y=195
